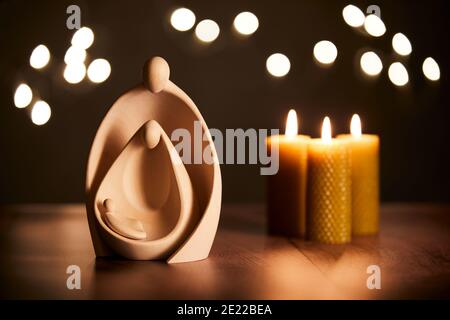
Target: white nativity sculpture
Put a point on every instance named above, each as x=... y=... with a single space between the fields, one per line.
x=143 y=202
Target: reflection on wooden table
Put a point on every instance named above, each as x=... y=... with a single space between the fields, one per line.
x=38 y=243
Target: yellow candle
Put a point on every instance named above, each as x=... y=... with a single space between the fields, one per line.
x=365 y=178
x=286 y=192
x=329 y=189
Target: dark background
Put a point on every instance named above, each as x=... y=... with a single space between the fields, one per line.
x=230 y=85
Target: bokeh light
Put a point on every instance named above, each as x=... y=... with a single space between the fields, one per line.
x=207 y=30
x=23 y=96
x=41 y=113
x=246 y=23
x=74 y=72
x=325 y=52
x=83 y=38
x=39 y=57
x=75 y=55
x=431 y=69
x=353 y=16
x=371 y=63
x=374 y=25
x=398 y=74
x=401 y=44
x=182 y=19
x=99 y=70
x=278 y=65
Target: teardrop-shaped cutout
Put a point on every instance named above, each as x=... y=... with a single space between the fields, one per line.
x=148 y=185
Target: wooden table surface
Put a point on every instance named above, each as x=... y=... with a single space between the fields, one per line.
x=38 y=242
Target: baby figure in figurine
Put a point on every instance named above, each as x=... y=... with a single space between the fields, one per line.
x=143 y=202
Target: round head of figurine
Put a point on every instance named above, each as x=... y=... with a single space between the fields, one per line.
x=156 y=74
x=152 y=134
x=108 y=204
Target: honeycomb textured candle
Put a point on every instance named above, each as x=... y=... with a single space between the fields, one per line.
x=365 y=183
x=329 y=192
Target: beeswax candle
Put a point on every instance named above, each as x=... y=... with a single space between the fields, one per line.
x=329 y=189
x=286 y=192
x=365 y=178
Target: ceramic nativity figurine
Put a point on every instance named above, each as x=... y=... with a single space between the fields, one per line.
x=143 y=202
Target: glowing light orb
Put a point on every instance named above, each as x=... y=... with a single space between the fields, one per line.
x=246 y=23
x=374 y=25
x=398 y=74
x=23 y=96
x=39 y=57
x=207 y=30
x=353 y=16
x=401 y=44
x=182 y=19
x=325 y=52
x=41 y=113
x=99 y=70
x=371 y=63
x=431 y=69
x=278 y=65
x=75 y=55
x=83 y=38
x=74 y=72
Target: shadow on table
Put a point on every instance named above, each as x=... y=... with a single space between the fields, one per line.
x=125 y=279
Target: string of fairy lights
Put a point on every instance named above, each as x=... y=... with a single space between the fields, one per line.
x=207 y=31
x=325 y=52
x=75 y=71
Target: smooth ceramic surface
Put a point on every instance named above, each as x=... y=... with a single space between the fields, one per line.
x=135 y=179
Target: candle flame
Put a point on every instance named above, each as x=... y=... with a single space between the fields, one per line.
x=291 y=124
x=326 y=130
x=355 y=126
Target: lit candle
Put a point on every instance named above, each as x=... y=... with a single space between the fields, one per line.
x=329 y=189
x=365 y=178
x=287 y=189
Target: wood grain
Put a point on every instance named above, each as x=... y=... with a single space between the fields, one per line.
x=38 y=242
